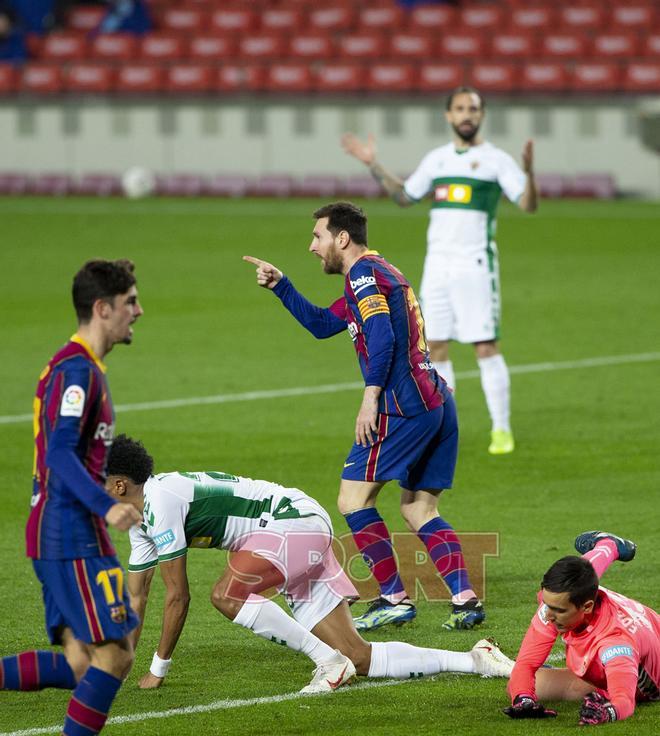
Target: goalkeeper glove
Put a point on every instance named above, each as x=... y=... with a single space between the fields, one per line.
x=525 y=706
x=596 y=708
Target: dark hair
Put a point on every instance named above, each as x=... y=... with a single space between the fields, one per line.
x=575 y=576
x=463 y=90
x=129 y=458
x=345 y=216
x=99 y=279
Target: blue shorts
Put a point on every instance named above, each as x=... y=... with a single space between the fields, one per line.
x=420 y=452
x=86 y=595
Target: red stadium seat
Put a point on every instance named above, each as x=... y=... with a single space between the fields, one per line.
x=210 y=47
x=391 y=77
x=8 y=79
x=228 y=185
x=42 y=79
x=493 y=77
x=362 y=186
x=415 y=45
x=338 y=77
x=532 y=18
x=633 y=16
x=552 y=185
x=262 y=46
x=282 y=20
x=595 y=77
x=564 y=45
x=338 y=18
x=233 y=20
x=14 y=183
x=61 y=46
x=86 y=78
x=432 y=18
x=313 y=46
x=616 y=44
x=319 y=186
x=289 y=78
x=191 y=78
x=440 y=77
x=486 y=17
x=273 y=185
x=462 y=45
x=57 y=185
x=86 y=18
x=597 y=185
x=163 y=47
x=543 y=77
x=517 y=45
x=140 y=78
x=580 y=17
x=240 y=78
x=361 y=46
x=115 y=46
x=181 y=185
x=188 y=20
x=642 y=77
x=651 y=45
x=99 y=185
x=381 y=18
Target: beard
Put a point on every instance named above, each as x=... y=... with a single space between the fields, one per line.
x=333 y=262
x=466 y=132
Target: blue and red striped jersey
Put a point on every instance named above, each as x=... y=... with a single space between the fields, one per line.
x=73 y=429
x=381 y=313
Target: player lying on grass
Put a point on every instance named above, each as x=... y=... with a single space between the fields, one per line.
x=278 y=538
x=612 y=642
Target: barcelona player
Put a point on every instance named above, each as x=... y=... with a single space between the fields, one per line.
x=406 y=428
x=83 y=588
x=612 y=642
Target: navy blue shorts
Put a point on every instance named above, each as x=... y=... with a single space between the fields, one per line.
x=420 y=452
x=88 y=595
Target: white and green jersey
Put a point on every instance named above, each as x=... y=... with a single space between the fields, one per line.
x=208 y=509
x=466 y=186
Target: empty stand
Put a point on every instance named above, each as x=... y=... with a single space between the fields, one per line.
x=391 y=77
x=43 y=79
x=99 y=185
x=434 y=77
x=596 y=77
x=544 y=77
x=8 y=79
x=494 y=77
x=190 y=78
x=140 y=78
x=85 y=78
x=337 y=77
x=61 y=46
x=289 y=78
x=228 y=185
x=114 y=47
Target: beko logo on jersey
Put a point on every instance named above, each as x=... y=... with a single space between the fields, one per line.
x=165 y=538
x=73 y=402
x=105 y=432
x=362 y=283
x=616 y=651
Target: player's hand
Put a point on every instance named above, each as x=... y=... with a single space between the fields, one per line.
x=267 y=275
x=525 y=706
x=362 y=151
x=123 y=516
x=596 y=708
x=366 y=424
x=528 y=157
x=149 y=682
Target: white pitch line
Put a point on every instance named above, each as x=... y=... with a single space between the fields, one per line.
x=209 y=707
x=331 y=388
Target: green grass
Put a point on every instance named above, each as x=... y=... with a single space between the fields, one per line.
x=579 y=281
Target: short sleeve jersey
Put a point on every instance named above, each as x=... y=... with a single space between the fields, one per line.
x=208 y=509
x=465 y=186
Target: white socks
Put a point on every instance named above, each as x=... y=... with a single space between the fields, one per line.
x=496 y=385
x=402 y=661
x=268 y=620
x=446 y=369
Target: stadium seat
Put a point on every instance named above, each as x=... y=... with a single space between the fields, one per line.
x=319 y=186
x=595 y=77
x=651 y=46
x=493 y=77
x=189 y=78
x=240 y=78
x=257 y=47
x=624 y=45
x=552 y=185
x=532 y=18
x=57 y=185
x=362 y=186
x=273 y=185
x=41 y=79
x=412 y=45
x=99 y=185
x=634 y=16
x=543 y=77
x=181 y=185
x=62 y=46
x=228 y=185
x=576 y=17
x=380 y=18
x=313 y=46
x=233 y=20
x=432 y=18
x=434 y=77
x=114 y=46
x=517 y=45
x=289 y=78
x=8 y=79
x=391 y=77
x=86 y=17
x=599 y=186
x=564 y=45
x=642 y=77
x=14 y=183
x=361 y=46
x=89 y=78
x=482 y=17
x=337 y=77
x=209 y=47
x=282 y=20
x=338 y=18
x=462 y=45
x=140 y=78
x=187 y=20
x=163 y=46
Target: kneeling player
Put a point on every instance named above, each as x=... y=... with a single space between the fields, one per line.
x=278 y=538
x=612 y=642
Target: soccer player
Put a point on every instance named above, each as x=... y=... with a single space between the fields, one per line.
x=278 y=538
x=406 y=428
x=612 y=642
x=82 y=582
x=460 y=292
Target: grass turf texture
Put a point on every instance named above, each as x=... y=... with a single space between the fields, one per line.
x=579 y=281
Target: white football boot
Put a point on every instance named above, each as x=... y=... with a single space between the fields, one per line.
x=331 y=675
x=490 y=660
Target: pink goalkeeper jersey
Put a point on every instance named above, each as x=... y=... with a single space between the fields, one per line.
x=619 y=652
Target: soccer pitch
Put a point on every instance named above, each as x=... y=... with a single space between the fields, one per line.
x=220 y=377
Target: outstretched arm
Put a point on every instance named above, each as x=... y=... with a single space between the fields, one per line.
x=528 y=201
x=365 y=151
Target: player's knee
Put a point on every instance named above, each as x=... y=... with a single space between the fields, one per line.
x=124 y=662
x=79 y=663
x=227 y=605
x=345 y=505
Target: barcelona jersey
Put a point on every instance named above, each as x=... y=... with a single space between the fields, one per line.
x=73 y=429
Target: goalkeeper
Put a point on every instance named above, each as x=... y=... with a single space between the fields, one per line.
x=612 y=642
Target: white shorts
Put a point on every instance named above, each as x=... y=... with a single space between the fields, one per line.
x=461 y=301
x=301 y=549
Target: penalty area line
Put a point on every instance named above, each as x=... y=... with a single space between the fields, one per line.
x=210 y=707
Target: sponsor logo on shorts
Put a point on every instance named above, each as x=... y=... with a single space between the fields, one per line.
x=163 y=539
x=614 y=652
x=73 y=402
x=362 y=283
